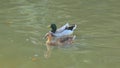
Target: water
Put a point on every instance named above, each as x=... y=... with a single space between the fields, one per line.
x=23 y=25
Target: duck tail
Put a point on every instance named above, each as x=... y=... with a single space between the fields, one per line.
x=74 y=27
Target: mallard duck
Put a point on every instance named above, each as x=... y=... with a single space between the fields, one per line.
x=65 y=40
x=63 y=31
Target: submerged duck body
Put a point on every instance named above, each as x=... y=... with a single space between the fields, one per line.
x=63 y=31
x=60 y=41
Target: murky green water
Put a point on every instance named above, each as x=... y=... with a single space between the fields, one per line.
x=23 y=25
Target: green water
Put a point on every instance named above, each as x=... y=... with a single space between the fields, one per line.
x=23 y=25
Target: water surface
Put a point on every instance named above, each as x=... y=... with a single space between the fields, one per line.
x=23 y=24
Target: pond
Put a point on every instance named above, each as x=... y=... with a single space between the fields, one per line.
x=23 y=23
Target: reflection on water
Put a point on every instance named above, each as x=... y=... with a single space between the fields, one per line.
x=23 y=25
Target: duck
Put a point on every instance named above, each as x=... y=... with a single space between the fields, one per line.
x=65 y=40
x=65 y=30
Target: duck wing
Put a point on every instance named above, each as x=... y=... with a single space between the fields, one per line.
x=62 y=28
x=63 y=33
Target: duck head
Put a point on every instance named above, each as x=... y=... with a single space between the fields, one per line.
x=53 y=27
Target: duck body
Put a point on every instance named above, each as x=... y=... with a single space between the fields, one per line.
x=63 y=31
